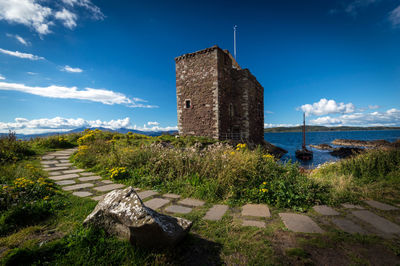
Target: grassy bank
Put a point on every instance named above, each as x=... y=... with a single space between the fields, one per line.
x=40 y=224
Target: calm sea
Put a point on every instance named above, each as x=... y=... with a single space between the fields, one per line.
x=291 y=141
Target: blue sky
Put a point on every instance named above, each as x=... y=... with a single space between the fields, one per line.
x=72 y=63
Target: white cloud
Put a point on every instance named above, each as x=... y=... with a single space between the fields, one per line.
x=394 y=17
x=68 y=18
x=19 y=39
x=72 y=69
x=21 y=55
x=2 y=77
x=153 y=123
x=26 y=12
x=31 y=73
x=39 y=17
x=389 y=118
x=95 y=95
x=324 y=107
x=374 y=106
x=59 y=124
x=280 y=125
x=353 y=7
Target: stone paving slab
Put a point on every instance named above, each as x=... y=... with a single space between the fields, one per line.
x=378 y=222
x=56 y=168
x=86 y=174
x=54 y=173
x=380 y=205
x=98 y=198
x=48 y=157
x=46 y=165
x=191 y=202
x=49 y=162
x=63 y=164
x=64 y=161
x=89 y=178
x=256 y=210
x=300 y=223
x=216 y=212
x=65 y=182
x=171 y=196
x=78 y=186
x=72 y=171
x=62 y=157
x=82 y=194
x=325 y=210
x=258 y=224
x=109 y=187
x=146 y=194
x=351 y=206
x=178 y=209
x=62 y=177
x=107 y=181
x=348 y=226
x=156 y=203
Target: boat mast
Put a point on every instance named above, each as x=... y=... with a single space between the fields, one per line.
x=304 y=131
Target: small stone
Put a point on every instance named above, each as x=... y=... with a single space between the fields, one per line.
x=156 y=203
x=65 y=182
x=63 y=164
x=258 y=224
x=380 y=205
x=56 y=168
x=171 y=196
x=216 y=212
x=89 y=178
x=191 y=202
x=108 y=187
x=178 y=209
x=300 y=223
x=351 y=206
x=256 y=210
x=49 y=162
x=86 y=173
x=62 y=177
x=325 y=210
x=348 y=226
x=378 y=222
x=82 y=194
x=146 y=194
x=78 y=186
x=72 y=171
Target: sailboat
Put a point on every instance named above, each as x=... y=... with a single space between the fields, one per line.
x=304 y=154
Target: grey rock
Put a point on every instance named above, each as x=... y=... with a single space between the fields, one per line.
x=122 y=213
x=325 y=210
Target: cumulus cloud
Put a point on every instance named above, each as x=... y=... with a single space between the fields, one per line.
x=389 y=118
x=37 y=15
x=19 y=39
x=2 y=77
x=152 y=123
x=394 y=17
x=95 y=95
x=280 y=125
x=72 y=69
x=324 y=107
x=68 y=18
x=60 y=124
x=374 y=106
x=21 y=55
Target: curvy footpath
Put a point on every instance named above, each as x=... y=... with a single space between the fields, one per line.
x=373 y=218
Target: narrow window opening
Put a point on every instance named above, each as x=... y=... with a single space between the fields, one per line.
x=231 y=111
x=188 y=104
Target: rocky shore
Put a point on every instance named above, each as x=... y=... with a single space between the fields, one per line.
x=361 y=143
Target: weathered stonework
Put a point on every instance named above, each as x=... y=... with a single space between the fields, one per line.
x=225 y=101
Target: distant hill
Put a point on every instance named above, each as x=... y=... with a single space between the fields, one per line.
x=77 y=130
x=323 y=128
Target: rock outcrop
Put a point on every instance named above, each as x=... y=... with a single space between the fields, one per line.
x=122 y=213
x=361 y=143
x=344 y=152
x=322 y=147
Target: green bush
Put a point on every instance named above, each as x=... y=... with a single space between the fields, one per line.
x=12 y=149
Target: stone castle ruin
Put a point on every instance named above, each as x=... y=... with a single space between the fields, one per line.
x=217 y=98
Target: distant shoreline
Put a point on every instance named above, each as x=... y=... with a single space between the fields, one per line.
x=326 y=129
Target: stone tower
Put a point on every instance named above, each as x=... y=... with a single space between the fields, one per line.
x=218 y=99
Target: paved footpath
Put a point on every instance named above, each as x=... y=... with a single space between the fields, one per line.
x=353 y=219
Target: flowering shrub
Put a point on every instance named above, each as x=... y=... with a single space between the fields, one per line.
x=118 y=173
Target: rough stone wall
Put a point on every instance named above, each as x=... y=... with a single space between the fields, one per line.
x=197 y=81
x=227 y=101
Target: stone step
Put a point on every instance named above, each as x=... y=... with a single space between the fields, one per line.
x=300 y=223
x=108 y=187
x=146 y=194
x=86 y=174
x=78 y=186
x=56 y=168
x=258 y=224
x=378 y=222
x=178 y=209
x=192 y=202
x=89 y=178
x=63 y=164
x=156 y=203
x=50 y=162
x=325 y=210
x=72 y=171
x=98 y=198
x=351 y=206
x=216 y=212
x=171 y=196
x=62 y=177
x=348 y=226
x=82 y=194
x=48 y=157
x=65 y=182
x=380 y=205
x=256 y=210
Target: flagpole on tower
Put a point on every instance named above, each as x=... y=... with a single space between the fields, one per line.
x=234 y=41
